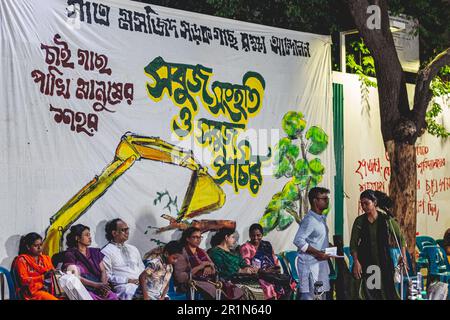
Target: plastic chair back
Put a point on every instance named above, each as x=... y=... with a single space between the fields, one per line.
x=421 y=241
x=440 y=242
x=291 y=257
x=5 y=274
x=437 y=260
x=173 y=295
x=283 y=264
x=349 y=257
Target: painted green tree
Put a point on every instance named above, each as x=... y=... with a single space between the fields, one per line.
x=295 y=159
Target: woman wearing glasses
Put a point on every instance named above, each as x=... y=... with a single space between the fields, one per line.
x=195 y=261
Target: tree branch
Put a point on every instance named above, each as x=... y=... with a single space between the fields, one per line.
x=391 y=82
x=423 y=93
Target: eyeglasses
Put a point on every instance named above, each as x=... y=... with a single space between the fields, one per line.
x=323 y=198
x=197 y=237
x=124 y=229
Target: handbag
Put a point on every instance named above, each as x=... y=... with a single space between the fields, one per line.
x=51 y=285
x=73 y=287
x=244 y=278
x=276 y=278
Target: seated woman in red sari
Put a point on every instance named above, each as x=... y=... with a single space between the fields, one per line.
x=32 y=268
x=259 y=254
x=196 y=263
x=88 y=262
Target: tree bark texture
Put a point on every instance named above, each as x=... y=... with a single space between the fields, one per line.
x=403 y=189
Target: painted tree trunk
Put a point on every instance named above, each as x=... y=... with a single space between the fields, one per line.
x=203 y=225
x=402 y=188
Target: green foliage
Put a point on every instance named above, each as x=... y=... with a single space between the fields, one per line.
x=284 y=221
x=440 y=86
x=433 y=27
x=284 y=168
x=291 y=161
x=290 y=191
x=316 y=167
x=361 y=62
x=293 y=124
x=319 y=140
x=269 y=221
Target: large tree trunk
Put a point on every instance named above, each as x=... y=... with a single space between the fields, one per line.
x=397 y=125
x=403 y=188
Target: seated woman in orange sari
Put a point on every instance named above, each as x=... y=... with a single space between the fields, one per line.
x=259 y=254
x=31 y=268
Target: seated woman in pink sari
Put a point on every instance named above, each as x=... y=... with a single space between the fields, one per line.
x=259 y=254
x=88 y=261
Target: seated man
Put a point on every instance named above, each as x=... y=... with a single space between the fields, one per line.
x=154 y=280
x=122 y=261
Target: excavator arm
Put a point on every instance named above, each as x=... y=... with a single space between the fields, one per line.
x=203 y=195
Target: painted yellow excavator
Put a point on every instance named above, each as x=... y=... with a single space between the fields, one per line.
x=203 y=194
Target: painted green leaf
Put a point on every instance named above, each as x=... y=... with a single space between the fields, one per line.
x=316 y=167
x=290 y=191
x=276 y=203
x=302 y=181
x=319 y=140
x=293 y=151
x=283 y=168
x=269 y=221
x=291 y=205
x=315 y=180
x=285 y=220
x=293 y=124
x=284 y=144
x=301 y=168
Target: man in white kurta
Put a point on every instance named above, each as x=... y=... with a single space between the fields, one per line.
x=312 y=240
x=123 y=262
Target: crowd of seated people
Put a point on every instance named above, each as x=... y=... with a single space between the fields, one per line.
x=118 y=272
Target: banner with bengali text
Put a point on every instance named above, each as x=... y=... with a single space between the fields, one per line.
x=161 y=117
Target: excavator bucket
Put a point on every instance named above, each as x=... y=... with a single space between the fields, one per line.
x=202 y=196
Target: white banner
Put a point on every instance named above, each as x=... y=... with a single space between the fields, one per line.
x=102 y=103
x=366 y=164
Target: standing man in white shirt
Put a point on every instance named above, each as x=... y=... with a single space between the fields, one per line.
x=123 y=262
x=312 y=240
